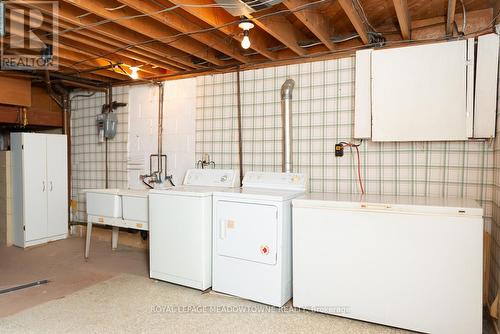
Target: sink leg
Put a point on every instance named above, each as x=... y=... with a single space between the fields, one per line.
x=114 y=237
x=87 y=240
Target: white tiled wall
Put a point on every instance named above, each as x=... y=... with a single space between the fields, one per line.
x=178 y=129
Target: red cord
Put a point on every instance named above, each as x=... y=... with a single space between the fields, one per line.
x=359 y=165
x=359 y=172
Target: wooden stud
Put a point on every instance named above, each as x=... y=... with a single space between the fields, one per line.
x=355 y=19
x=112 y=31
x=316 y=22
x=403 y=14
x=147 y=27
x=218 y=17
x=280 y=28
x=183 y=25
x=450 y=16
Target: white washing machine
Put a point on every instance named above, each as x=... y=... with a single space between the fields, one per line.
x=180 y=220
x=252 y=255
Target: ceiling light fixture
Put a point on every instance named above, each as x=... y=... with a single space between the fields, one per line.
x=135 y=72
x=246 y=26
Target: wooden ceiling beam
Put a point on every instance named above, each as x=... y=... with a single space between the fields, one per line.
x=280 y=28
x=104 y=74
x=148 y=27
x=114 y=32
x=183 y=25
x=92 y=48
x=71 y=72
x=450 y=16
x=74 y=57
x=218 y=17
x=316 y=22
x=96 y=53
x=355 y=19
x=404 y=20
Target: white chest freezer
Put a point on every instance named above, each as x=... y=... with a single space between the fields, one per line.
x=408 y=262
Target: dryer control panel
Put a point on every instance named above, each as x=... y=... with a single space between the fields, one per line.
x=212 y=177
x=269 y=180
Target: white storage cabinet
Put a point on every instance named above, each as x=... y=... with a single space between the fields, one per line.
x=40 y=188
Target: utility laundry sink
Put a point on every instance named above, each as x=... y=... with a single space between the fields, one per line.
x=135 y=205
x=104 y=202
x=118 y=203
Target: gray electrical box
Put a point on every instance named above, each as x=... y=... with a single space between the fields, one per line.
x=107 y=124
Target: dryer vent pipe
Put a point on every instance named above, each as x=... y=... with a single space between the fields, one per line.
x=286 y=121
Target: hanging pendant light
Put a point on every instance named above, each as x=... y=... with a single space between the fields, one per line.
x=246 y=26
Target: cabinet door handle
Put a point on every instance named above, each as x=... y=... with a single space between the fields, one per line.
x=51 y=186
x=43 y=186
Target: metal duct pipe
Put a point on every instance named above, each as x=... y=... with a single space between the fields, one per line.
x=286 y=121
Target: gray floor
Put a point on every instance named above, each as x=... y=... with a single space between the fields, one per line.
x=134 y=304
x=112 y=293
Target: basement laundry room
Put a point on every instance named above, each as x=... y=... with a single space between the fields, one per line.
x=250 y=166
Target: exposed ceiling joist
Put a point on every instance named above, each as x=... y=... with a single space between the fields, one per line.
x=404 y=20
x=218 y=17
x=183 y=25
x=90 y=47
x=355 y=19
x=148 y=27
x=316 y=22
x=280 y=28
x=450 y=16
x=112 y=32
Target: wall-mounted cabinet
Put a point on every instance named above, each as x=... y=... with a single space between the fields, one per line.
x=427 y=92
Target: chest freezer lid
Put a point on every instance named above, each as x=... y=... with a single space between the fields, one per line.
x=403 y=204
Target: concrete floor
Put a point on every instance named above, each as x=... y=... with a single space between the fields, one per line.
x=111 y=292
x=62 y=263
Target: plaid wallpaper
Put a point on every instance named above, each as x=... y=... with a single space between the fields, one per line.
x=323 y=108
x=323 y=104
x=87 y=155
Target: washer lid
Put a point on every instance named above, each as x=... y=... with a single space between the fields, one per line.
x=403 y=204
x=275 y=195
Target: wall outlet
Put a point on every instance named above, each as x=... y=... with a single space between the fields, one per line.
x=339 y=150
x=497 y=29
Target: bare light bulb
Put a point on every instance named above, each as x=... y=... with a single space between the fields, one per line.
x=135 y=72
x=245 y=42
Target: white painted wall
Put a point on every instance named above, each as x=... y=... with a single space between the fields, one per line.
x=179 y=127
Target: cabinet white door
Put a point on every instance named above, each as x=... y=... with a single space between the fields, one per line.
x=57 y=185
x=35 y=186
x=419 y=93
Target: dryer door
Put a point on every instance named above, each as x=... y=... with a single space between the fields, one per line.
x=247 y=231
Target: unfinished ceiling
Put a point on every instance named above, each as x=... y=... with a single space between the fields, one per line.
x=102 y=39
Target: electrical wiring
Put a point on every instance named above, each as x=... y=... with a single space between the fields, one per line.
x=356 y=147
